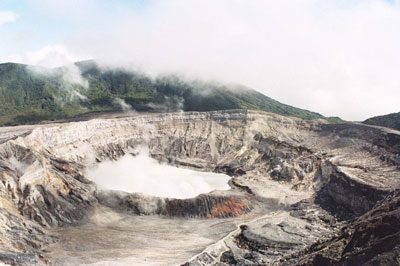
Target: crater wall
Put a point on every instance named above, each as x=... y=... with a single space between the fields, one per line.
x=346 y=168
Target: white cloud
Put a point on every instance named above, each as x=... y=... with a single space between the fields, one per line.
x=338 y=59
x=71 y=8
x=7 y=16
x=48 y=56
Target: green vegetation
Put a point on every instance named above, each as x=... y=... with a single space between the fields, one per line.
x=390 y=120
x=33 y=94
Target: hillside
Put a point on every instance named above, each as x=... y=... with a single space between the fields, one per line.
x=389 y=120
x=30 y=94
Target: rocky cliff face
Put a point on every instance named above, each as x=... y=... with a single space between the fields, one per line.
x=297 y=184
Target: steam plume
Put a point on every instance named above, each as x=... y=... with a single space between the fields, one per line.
x=145 y=175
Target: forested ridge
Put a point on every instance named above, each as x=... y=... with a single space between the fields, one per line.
x=30 y=94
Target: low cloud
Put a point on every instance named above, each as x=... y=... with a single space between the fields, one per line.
x=50 y=56
x=339 y=58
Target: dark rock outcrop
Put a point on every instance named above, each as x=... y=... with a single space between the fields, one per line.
x=371 y=239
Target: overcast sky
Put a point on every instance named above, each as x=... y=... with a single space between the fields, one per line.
x=335 y=57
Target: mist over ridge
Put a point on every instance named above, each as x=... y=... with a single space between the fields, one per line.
x=33 y=94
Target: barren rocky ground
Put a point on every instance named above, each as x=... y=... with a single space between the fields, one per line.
x=303 y=192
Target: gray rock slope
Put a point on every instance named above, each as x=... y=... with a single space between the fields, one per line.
x=302 y=192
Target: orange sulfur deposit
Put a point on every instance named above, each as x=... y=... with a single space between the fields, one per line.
x=229 y=207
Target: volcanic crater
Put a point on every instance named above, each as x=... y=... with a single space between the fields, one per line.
x=301 y=192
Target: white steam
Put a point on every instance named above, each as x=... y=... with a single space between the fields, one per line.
x=71 y=80
x=170 y=104
x=72 y=77
x=17 y=165
x=74 y=95
x=144 y=174
x=124 y=106
x=71 y=74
